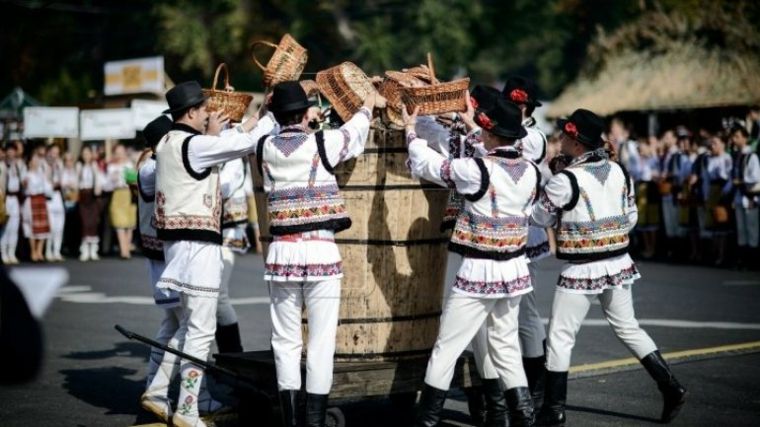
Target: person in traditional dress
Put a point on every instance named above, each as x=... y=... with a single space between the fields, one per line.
x=37 y=189
x=715 y=181
x=591 y=202
x=89 y=186
x=499 y=190
x=122 y=211
x=235 y=240
x=746 y=181
x=671 y=184
x=303 y=266
x=647 y=197
x=56 y=209
x=187 y=216
x=13 y=191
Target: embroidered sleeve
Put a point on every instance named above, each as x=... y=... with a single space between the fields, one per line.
x=473 y=144
x=557 y=193
x=446 y=173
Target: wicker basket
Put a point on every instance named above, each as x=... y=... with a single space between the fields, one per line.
x=234 y=104
x=390 y=88
x=346 y=87
x=287 y=62
x=437 y=98
x=310 y=87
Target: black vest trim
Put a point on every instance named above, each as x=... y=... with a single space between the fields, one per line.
x=485 y=178
x=189 y=235
x=233 y=224
x=186 y=162
x=627 y=178
x=538 y=182
x=470 y=252
x=320 y=136
x=448 y=225
x=153 y=254
x=596 y=256
x=336 y=225
x=543 y=151
x=575 y=190
x=145 y=198
x=260 y=154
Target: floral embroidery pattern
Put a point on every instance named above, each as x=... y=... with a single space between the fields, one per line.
x=505 y=234
x=515 y=168
x=590 y=236
x=186 y=407
x=300 y=205
x=545 y=202
x=492 y=288
x=235 y=209
x=601 y=172
x=152 y=243
x=291 y=271
x=287 y=143
x=624 y=277
x=445 y=173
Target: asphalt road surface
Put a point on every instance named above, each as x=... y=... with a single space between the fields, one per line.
x=92 y=376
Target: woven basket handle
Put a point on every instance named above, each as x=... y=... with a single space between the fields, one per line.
x=253 y=55
x=433 y=80
x=219 y=68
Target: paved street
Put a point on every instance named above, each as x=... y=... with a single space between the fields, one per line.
x=93 y=376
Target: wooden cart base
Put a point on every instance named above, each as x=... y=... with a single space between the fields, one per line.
x=352 y=381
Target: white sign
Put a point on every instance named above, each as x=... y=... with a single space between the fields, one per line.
x=144 y=111
x=111 y=123
x=51 y=122
x=142 y=75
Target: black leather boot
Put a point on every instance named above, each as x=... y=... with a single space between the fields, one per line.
x=431 y=406
x=289 y=407
x=555 y=395
x=228 y=338
x=316 y=409
x=520 y=407
x=535 y=371
x=673 y=393
x=496 y=404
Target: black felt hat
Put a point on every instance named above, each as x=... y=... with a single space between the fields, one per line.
x=156 y=130
x=483 y=98
x=584 y=126
x=521 y=91
x=504 y=120
x=183 y=96
x=289 y=96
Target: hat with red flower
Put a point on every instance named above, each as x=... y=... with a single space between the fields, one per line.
x=583 y=126
x=504 y=120
x=483 y=98
x=521 y=90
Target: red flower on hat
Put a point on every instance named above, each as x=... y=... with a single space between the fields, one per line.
x=518 y=95
x=485 y=121
x=474 y=102
x=571 y=130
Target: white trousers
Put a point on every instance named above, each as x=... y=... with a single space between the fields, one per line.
x=461 y=320
x=162 y=366
x=568 y=312
x=9 y=241
x=747 y=226
x=670 y=218
x=322 y=301
x=57 y=214
x=225 y=313
x=531 y=332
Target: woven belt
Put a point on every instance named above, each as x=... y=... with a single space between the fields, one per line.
x=308 y=236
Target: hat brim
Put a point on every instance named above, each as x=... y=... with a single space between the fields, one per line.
x=509 y=134
x=583 y=140
x=293 y=106
x=190 y=103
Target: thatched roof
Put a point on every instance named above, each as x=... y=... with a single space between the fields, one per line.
x=657 y=63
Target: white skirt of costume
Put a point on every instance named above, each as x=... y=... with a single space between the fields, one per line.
x=192 y=268
x=303 y=257
x=596 y=276
x=487 y=278
x=164 y=298
x=538 y=244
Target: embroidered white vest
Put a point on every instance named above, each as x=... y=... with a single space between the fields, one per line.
x=494 y=223
x=594 y=225
x=151 y=247
x=188 y=204
x=302 y=193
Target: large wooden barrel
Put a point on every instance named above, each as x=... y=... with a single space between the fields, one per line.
x=394 y=255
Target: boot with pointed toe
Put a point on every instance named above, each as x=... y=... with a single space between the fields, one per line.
x=673 y=393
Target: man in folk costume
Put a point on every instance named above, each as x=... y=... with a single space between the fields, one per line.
x=188 y=211
x=15 y=175
x=235 y=240
x=592 y=204
x=522 y=92
x=56 y=209
x=303 y=265
x=491 y=234
x=156 y=399
x=746 y=181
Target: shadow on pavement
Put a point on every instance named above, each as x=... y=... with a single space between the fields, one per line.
x=121 y=349
x=106 y=387
x=612 y=414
